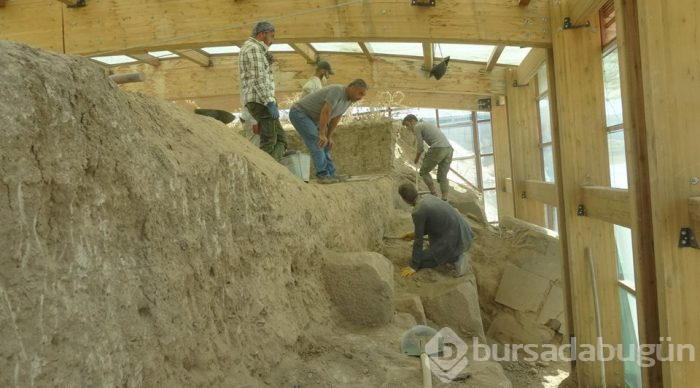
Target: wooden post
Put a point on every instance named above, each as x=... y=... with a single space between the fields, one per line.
x=583 y=152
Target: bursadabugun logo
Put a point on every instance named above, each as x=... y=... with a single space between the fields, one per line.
x=453 y=359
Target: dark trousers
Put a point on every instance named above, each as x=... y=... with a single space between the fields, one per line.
x=272 y=137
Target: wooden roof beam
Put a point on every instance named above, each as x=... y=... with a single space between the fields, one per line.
x=367 y=50
x=493 y=59
x=101 y=28
x=195 y=56
x=306 y=51
x=147 y=58
x=427 y=56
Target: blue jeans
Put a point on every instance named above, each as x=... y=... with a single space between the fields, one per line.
x=308 y=130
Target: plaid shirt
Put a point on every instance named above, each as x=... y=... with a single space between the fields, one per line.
x=257 y=84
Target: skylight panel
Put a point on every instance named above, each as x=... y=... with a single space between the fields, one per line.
x=163 y=54
x=513 y=55
x=464 y=52
x=342 y=47
x=114 y=59
x=221 y=50
x=392 y=48
x=281 y=47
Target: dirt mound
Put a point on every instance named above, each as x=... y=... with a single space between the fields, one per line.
x=145 y=245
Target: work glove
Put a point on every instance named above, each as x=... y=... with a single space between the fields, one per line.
x=407 y=271
x=407 y=237
x=272 y=107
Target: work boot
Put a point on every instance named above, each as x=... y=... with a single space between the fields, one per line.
x=461 y=265
x=326 y=180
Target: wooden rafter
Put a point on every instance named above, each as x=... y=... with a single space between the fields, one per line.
x=147 y=58
x=195 y=56
x=427 y=56
x=306 y=51
x=493 y=59
x=367 y=50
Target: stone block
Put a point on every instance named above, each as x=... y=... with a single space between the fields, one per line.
x=411 y=304
x=457 y=307
x=521 y=290
x=361 y=285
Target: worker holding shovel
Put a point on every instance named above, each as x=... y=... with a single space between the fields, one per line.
x=449 y=234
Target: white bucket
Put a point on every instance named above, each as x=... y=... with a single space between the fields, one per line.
x=299 y=164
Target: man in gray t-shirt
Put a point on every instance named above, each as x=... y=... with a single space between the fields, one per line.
x=315 y=117
x=439 y=154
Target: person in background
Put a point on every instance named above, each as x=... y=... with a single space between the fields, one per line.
x=449 y=234
x=315 y=118
x=258 y=88
x=439 y=154
x=323 y=70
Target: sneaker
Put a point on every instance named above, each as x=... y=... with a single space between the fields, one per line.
x=326 y=180
x=461 y=265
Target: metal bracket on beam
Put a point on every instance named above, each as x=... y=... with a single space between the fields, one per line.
x=570 y=26
x=523 y=195
x=580 y=210
x=687 y=239
x=516 y=85
x=424 y=3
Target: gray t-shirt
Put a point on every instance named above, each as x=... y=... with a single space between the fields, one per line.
x=334 y=95
x=431 y=135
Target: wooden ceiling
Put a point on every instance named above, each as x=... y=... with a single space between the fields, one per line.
x=134 y=27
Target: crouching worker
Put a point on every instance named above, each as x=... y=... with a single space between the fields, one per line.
x=449 y=234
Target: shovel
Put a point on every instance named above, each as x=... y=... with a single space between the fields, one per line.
x=413 y=344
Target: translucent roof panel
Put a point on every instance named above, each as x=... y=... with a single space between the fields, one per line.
x=410 y=49
x=281 y=47
x=221 y=50
x=115 y=59
x=464 y=52
x=513 y=55
x=343 y=47
x=163 y=54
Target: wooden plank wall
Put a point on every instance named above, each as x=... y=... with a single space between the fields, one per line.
x=670 y=59
x=501 y=149
x=526 y=156
x=584 y=161
x=38 y=23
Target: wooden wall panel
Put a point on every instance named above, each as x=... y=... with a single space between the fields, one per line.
x=584 y=161
x=526 y=156
x=669 y=38
x=37 y=23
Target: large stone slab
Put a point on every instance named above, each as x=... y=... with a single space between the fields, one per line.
x=522 y=290
x=457 y=307
x=361 y=286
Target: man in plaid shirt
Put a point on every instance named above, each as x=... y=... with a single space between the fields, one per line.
x=258 y=88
